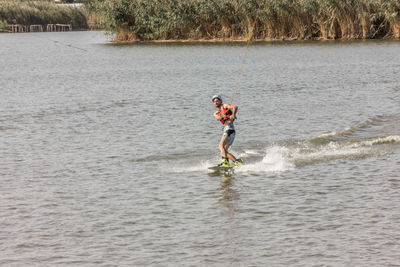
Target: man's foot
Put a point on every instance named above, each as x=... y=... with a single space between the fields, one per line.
x=225 y=163
x=238 y=163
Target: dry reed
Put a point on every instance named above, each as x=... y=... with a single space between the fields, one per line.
x=242 y=19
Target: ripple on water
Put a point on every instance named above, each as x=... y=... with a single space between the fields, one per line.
x=105 y=157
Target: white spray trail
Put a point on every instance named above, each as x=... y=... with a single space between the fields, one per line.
x=275 y=160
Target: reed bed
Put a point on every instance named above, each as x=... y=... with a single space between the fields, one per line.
x=134 y=20
x=41 y=13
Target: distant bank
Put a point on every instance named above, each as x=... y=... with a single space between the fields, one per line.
x=231 y=20
x=210 y=20
x=41 y=16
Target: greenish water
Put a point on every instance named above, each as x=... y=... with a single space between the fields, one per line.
x=105 y=150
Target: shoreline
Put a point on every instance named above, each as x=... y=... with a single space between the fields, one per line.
x=222 y=40
x=265 y=40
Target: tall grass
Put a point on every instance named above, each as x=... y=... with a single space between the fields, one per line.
x=40 y=12
x=242 y=19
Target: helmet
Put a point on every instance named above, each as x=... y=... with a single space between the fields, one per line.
x=216 y=96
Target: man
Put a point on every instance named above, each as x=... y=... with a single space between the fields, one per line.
x=226 y=114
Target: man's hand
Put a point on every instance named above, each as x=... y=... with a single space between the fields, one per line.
x=217 y=115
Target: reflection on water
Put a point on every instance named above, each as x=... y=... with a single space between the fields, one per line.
x=228 y=194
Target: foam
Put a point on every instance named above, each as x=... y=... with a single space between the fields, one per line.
x=275 y=160
x=381 y=140
x=349 y=149
x=348 y=130
x=202 y=166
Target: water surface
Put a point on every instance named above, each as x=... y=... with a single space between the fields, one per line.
x=105 y=149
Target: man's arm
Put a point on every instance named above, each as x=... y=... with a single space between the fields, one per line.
x=217 y=115
x=233 y=109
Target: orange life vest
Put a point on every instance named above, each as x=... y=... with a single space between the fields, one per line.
x=226 y=112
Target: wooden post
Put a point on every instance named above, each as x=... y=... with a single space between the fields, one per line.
x=51 y=28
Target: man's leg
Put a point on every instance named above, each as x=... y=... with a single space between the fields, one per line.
x=223 y=147
x=229 y=155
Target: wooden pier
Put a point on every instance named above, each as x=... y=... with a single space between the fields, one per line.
x=35 y=28
x=17 y=28
x=39 y=28
x=59 y=27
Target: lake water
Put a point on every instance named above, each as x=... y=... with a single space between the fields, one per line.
x=105 y=152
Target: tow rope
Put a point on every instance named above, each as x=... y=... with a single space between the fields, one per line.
x=240 y=71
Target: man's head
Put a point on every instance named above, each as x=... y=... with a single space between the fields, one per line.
x=217 y=100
